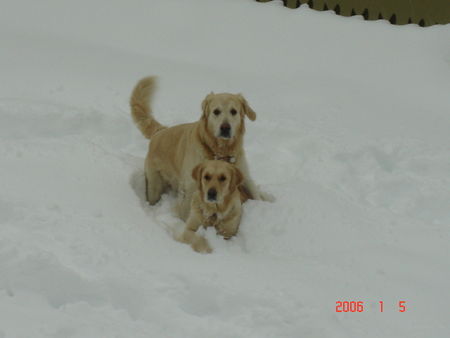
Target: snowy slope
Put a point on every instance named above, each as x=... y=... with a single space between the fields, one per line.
x=352 y=137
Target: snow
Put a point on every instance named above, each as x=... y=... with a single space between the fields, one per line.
x=352 y=137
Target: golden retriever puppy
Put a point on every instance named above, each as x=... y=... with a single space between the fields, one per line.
x=175 y=151
x=216 y=202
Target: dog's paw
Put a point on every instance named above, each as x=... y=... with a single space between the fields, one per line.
x=225 y=233
x=265 y=196
x=201 y=245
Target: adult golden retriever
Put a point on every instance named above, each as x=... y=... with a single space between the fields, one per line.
x=216 y=202
x=175 y=151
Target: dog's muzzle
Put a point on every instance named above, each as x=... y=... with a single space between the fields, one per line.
x=225 y=130
x=212 y=195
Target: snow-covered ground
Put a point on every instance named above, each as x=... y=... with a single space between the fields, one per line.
x=352 y=137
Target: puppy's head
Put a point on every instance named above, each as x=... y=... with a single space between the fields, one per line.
x=216 y=180
x=224 y=114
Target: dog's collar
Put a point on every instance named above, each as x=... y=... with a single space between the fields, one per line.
x=217 y=156
x=229 y=159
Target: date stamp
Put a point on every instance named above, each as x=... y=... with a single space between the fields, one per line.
x=358 y=306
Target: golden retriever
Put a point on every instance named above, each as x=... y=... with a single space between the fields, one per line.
x=175 y=151
x=216 y=202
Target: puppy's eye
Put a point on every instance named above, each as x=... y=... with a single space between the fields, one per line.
x=222 y=178
x=216 y=112
x=233 y=111
x=207 y=177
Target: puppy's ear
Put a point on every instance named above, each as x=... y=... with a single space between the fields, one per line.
x=197 y=172
x=247 y=109
x=236 y=178
x=205 y=105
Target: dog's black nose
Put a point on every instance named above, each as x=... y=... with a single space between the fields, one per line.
x=225 y=129
x=212 y=194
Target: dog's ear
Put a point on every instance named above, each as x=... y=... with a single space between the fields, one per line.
x=197 y=172
x=236 y=178
x=205 y=105
x=247 y=109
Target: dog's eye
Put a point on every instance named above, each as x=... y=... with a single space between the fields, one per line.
x=233 y=111
x=222 y=178
x=207 y=177
x=216 y=111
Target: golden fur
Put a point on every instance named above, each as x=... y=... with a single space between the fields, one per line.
x=224 y=212
x=175 y=151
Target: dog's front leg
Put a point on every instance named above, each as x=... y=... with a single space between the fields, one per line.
x=229 y=225
x=229 y=228
x=189 y=236
x=184 y=200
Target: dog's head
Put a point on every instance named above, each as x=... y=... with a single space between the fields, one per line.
x=224 y=114
x=216 y=180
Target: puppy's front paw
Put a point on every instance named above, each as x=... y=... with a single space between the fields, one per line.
x=200 y=244
x=227 y=234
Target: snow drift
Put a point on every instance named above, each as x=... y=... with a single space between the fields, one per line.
x=352 y=138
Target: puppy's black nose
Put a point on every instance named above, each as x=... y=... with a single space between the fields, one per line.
x=212 y=194
x=225 y=129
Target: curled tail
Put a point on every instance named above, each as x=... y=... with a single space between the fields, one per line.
x=140 y=107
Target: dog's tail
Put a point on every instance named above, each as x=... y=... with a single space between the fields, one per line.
x=140 y=107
